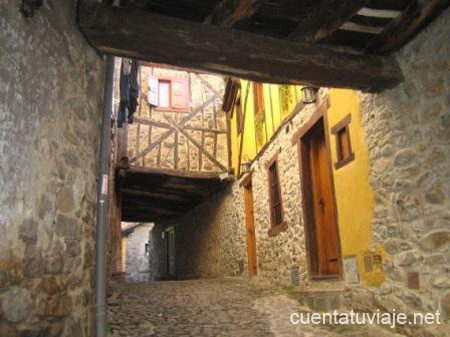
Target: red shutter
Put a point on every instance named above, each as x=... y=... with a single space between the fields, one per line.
x=180 y=98
x=153 y=90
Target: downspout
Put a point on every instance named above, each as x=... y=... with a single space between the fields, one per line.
x=102 y=205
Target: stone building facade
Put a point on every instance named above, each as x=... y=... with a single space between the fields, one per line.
x=50 y=106
x=406 y=134
x=136 y=261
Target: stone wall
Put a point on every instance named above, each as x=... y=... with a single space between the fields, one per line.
x=137 y=262
x=211 y=239
x=408 y=134
x=51 y=85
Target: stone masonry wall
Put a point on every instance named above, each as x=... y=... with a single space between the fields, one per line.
x=51 y=85
x=137 y=263
x=211 y=239
x=408 y=134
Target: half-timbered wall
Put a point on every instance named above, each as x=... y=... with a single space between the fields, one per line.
x=188 y=135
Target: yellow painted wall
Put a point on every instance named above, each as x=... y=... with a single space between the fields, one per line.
x=354 y=195
x=272 y=120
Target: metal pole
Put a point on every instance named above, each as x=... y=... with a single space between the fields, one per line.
x=102 y=205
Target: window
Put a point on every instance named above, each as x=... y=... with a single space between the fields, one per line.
x=169 y=94
x=286 y=99
x=276 y=205
x=343 y=143
x=230 y=96
x=239 y=116
x=164 y=94
x=258 y=98
x=258 y=101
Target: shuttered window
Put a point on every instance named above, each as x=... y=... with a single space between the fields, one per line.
x=169 y=94
x=276 y=207
x=344 y=151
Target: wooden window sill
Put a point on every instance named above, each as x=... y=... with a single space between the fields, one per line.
x=277 y=229
x=344 y=162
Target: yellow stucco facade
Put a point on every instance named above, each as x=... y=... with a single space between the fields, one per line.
x=275 y=111
x=353 y=191
x=354 y=195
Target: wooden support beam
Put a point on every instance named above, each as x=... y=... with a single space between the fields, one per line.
x=403 y=28
x=169 y=132
x=168 y=126
x=325 y=19
x=138 y=34
x=357 y=27
x=229 y=12
x=379 y=13
x=201 y=149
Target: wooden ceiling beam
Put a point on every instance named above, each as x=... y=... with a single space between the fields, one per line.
x=405 y=26
x=228 y=12
x=325 y=19
x=128 y=32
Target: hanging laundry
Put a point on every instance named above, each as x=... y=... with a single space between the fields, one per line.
x=129 y=91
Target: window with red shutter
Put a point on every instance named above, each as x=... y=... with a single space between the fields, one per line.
x=179 y=94
x=173 y=95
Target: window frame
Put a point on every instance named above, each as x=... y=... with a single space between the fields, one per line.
x=258 y=98
x=239 y=114
x=186 y=107
x=275 y=228
x=343 y=127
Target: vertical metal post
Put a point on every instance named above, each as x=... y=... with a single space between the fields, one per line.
x=102 y=203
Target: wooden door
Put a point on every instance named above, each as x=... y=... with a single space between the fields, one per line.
x=321 y=206
x=250 y=229
x=171 y=253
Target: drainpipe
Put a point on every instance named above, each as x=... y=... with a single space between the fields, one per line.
x=102 y=205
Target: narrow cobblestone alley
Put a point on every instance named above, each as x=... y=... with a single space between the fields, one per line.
x=218 y=307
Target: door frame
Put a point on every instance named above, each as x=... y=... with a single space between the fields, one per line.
x=168 y=231
x=299 y=138
x=247 y=185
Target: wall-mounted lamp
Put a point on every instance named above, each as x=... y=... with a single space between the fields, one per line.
x=246 y=167
x=163 y=235
x=309 y=94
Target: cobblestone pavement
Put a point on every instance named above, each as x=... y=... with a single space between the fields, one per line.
x=218 y=307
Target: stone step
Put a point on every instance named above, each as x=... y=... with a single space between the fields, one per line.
x=321 y=300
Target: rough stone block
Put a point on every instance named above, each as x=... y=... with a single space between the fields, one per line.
x=65 y=202
x=33 y=262
x=23 y=304
x=435 y=240
x=60 y=307
x=67 y=227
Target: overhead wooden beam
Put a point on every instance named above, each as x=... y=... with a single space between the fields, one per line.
x=325 y=19
x=405 y=26
x=137 y=34
x=379 y=13
x=228 y=12
x=357 y=27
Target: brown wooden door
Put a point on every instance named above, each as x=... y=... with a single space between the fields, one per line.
x=250 y=228
x=321 y=200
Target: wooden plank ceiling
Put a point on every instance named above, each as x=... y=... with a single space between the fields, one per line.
x=149 y=195
x=370 y=26
x=334 y=43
